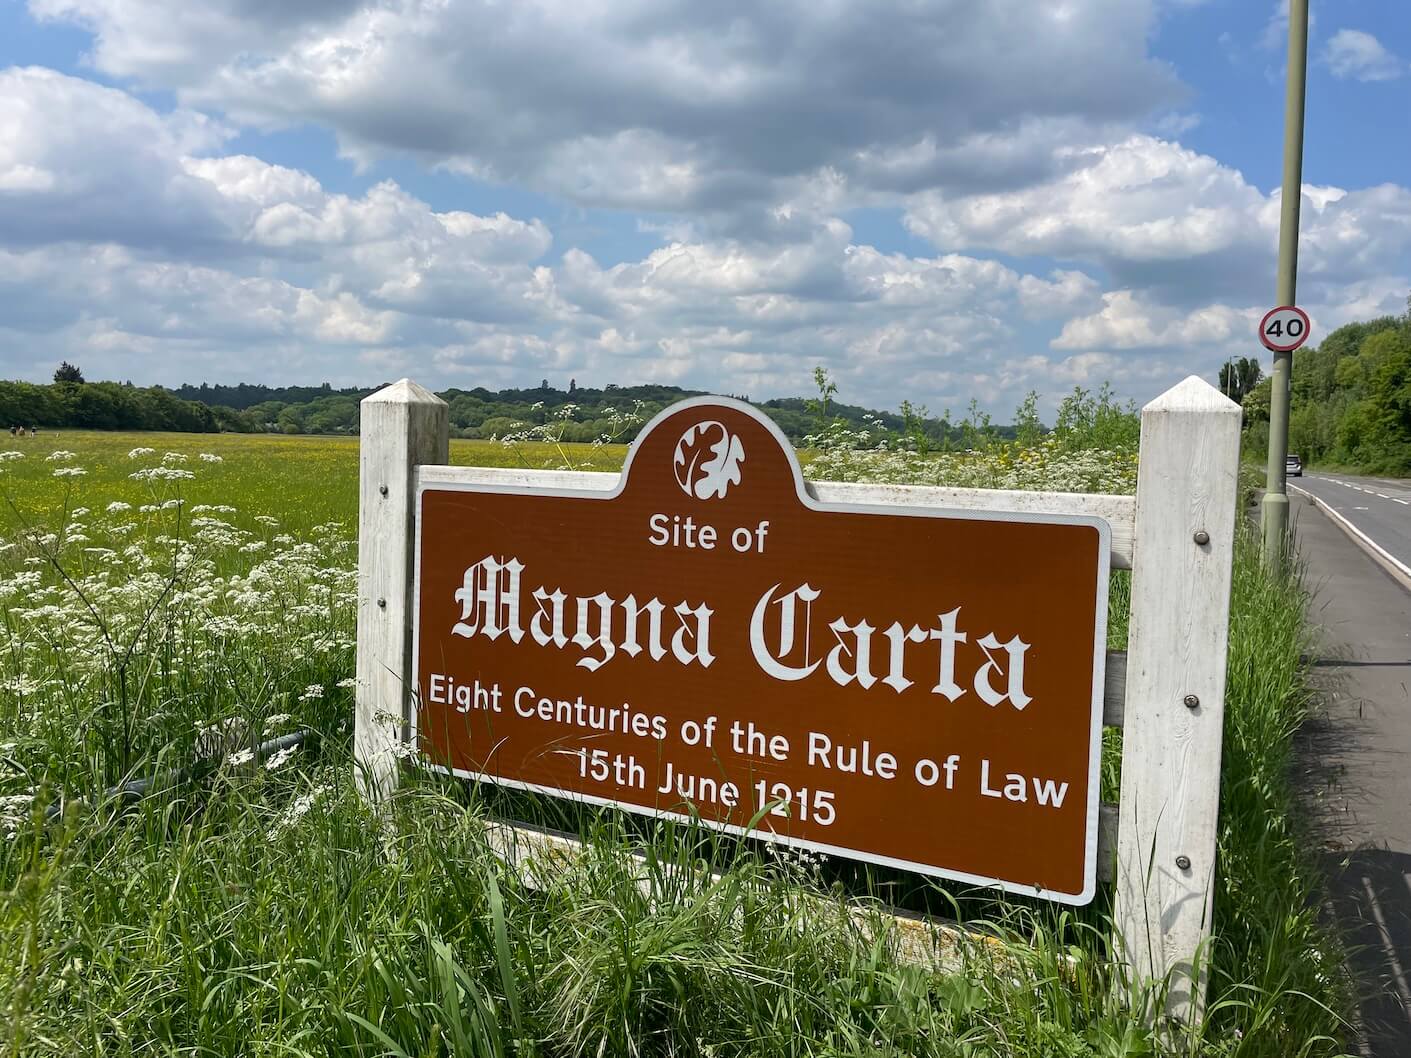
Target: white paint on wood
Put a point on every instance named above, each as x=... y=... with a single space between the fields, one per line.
x=513 y=477
x=1187 y=482
x=1118 y=511
x=402 y=425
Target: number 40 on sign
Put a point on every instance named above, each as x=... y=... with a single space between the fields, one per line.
x=1284 y=329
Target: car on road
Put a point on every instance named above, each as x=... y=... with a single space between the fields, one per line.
x=1293 y=466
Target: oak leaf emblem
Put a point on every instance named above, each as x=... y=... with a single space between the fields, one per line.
x=707 y=460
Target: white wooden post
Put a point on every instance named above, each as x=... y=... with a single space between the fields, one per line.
x=1187 y=500
x=402 y=426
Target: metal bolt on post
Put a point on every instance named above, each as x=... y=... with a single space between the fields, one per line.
x=1276 y=501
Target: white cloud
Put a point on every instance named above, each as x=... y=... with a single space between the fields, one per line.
x=1358 y=55
x=1153 y=215
x=1128 y=322
x=286 y=279
x=1066 y=248
x=78 y=160
x=658 y=104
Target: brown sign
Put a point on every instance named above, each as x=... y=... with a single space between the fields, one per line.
x=909 y=686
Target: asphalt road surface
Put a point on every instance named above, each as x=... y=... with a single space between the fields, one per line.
x=1358 y=755
x=1378 y=508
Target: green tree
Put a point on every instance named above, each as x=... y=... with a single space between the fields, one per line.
x=1239 y=377
x=67 y=372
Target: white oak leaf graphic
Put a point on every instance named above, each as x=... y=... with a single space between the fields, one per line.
x=707 y=460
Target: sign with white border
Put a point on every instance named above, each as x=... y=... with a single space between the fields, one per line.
x=1284 y=329
x=915 y=687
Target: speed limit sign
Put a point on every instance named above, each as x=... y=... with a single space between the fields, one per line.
x=1284 y=329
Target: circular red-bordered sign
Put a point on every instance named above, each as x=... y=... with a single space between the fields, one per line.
x=1284 y=329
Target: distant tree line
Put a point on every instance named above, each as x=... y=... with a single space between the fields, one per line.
x=1350 y=399
x=475 y=413
x=102 y=406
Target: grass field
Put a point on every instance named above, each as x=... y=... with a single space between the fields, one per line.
x=303 y=481
x=155 y=621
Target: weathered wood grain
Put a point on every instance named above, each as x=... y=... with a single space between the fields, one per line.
x=1186 y=485
x=1114 y=691
x=402 y=425
x=1106 y=842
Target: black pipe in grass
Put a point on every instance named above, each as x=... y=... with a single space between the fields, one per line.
x=129 y=793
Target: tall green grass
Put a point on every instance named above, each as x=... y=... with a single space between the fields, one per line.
x=267 y=911
x=1277 y=969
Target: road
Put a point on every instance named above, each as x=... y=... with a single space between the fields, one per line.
x=1379 y=509
x=1358 y=756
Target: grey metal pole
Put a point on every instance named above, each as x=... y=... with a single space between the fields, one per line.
x=1276 y=501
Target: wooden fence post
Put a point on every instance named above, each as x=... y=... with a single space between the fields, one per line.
x=1187 y=501
x=402 y=426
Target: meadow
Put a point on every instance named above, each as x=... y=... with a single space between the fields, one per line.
x=303 y=481
x=170 y=601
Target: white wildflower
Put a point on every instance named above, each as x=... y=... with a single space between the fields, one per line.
x=277 y=719
x=161 y=474
x=298 y=808
x=117 y=507
x=211 y=457
x=59 y=456
x=172 y=458
x=70 y=472
x=138 y=453
x=244 y=756
x=347 y=682
x=283 y=757
x=78 y=512
x=311 y=692
x=7 y=456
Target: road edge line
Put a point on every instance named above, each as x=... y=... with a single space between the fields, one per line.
x=1399 y=571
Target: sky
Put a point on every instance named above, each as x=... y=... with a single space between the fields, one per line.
x=937 y=200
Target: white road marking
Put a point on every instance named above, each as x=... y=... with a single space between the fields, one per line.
x=1360 y=488
x=1402 y=566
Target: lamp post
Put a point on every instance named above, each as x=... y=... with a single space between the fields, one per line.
x=1276 y=501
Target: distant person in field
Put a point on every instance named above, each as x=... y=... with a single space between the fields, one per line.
x=14 y=430
x=33 y=432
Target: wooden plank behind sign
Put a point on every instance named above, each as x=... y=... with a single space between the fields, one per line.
x=1118 y=511
x=1023 y=766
